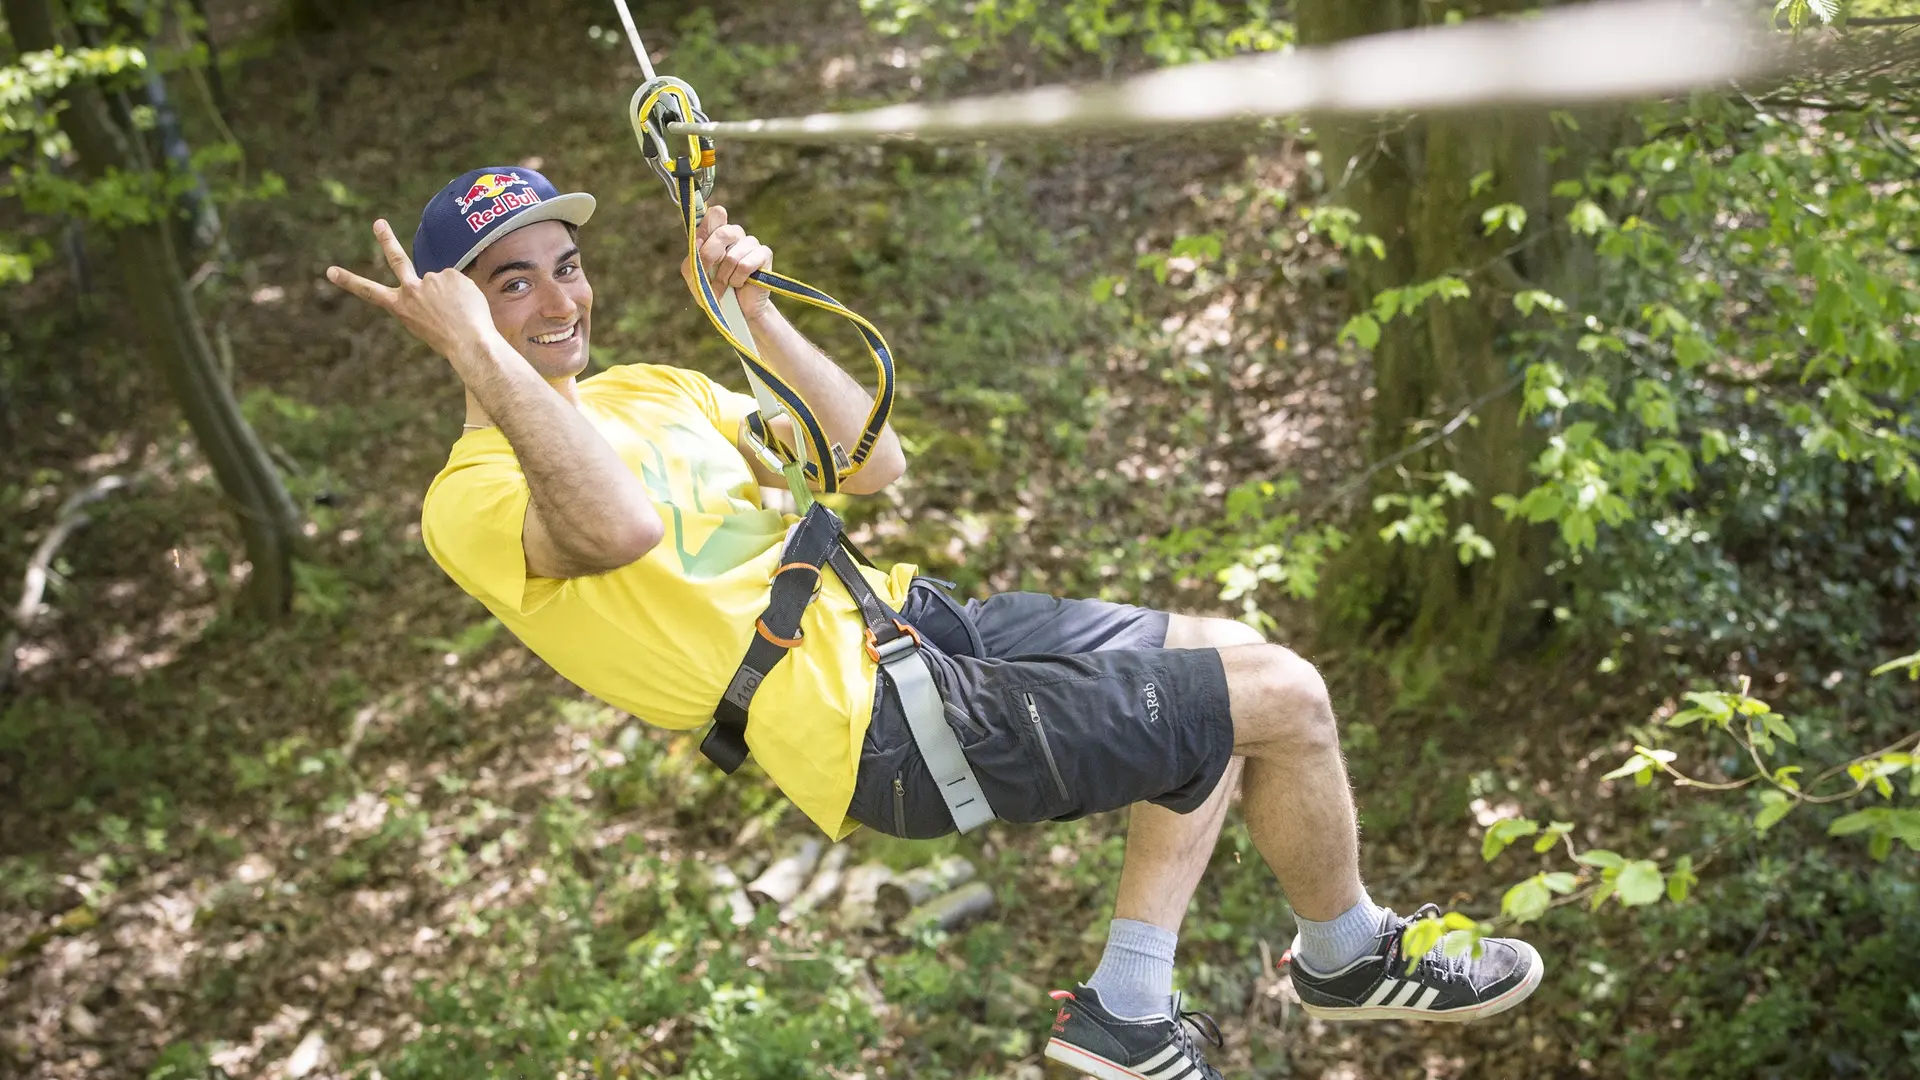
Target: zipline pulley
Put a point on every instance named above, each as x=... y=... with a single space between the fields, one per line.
x=652 y=109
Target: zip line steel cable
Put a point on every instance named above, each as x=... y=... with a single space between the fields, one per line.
x=1614 y=50
x=1565 y=55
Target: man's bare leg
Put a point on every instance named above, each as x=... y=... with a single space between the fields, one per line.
x=1299 y=807
x=1168 y=852
x=1299 y=811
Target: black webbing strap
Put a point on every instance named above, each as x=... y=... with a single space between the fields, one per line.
x=794 y=586
x=891 y=643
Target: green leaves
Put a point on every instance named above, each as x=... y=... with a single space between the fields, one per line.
x=1586 y=218
x=1774 y=805
x=1799 y=12
x=1682 y=880
x=1526 y=300
x=1639 y=883
x=1642 y=765
x=1883 y=826
x=1362 y=328
x=1470 y=545
x=1337 y=224
x=1462 y=934
x=1511 y=215
x=1531 y=898
x=1502 y=834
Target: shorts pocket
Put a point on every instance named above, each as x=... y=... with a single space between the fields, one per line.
x=1046 y=746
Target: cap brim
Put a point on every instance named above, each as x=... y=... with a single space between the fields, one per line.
x=574 y=209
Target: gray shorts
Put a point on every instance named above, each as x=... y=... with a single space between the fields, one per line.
x=1064 y=708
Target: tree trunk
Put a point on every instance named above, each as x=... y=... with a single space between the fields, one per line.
x=269 y=523
x=1410 y=181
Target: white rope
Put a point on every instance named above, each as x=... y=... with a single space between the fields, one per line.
x=633 y=35
x=1564 y=56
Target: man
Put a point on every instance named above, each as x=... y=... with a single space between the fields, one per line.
x=614 y=524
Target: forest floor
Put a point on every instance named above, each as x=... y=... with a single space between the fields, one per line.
x=256 y=846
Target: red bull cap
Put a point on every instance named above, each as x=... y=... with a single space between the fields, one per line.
x=476 y=208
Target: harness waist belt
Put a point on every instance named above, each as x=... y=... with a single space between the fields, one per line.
x=818 y=544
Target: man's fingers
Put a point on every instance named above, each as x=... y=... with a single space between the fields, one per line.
x=371 y=291
x=743 y=258
x=715 y=218
x=722 y=241
x=396 y=255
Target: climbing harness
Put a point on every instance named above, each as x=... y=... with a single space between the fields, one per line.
x=685 y=163
x=892 y=643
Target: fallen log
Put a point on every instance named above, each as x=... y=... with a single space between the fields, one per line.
x=826 y=881
x=783 y=880
x=902 y=894
x=858 y=897
x=726 y=886
x=948 y=910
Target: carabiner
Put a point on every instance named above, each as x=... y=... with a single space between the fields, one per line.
x=665 y=100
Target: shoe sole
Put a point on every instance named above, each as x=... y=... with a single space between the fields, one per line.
x=1536 y=969
x=1091 y=1064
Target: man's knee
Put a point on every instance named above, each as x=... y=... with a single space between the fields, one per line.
x=1279 y=700
x=1198 y=632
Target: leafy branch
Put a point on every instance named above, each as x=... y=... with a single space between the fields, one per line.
x=1755 y=727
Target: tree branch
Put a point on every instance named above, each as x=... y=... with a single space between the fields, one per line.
x=33 y=588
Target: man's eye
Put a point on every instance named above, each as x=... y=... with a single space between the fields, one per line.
x=570 y=268
x=517 y=285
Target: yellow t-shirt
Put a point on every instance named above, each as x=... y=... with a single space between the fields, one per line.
x=662 y=637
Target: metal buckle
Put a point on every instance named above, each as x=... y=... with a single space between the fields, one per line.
x=908 y=640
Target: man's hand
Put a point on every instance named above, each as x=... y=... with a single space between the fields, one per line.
x=731 y=258
x=445 y=309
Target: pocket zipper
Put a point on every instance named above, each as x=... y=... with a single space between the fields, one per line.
x=899 y=807
x=1046 y=748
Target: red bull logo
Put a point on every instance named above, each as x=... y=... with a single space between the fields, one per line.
x=498 y=187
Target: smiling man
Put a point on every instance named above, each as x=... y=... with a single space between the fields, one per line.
x=614 y=524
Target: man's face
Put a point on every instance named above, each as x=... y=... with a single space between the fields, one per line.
x=539 y=295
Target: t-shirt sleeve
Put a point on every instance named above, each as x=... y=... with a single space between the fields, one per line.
x=727 y=409
x=473 y=521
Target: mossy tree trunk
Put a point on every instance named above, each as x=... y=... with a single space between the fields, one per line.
x=175 y=339
x=1412 y=181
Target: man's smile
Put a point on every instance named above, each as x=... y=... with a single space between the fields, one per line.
x=559 y=336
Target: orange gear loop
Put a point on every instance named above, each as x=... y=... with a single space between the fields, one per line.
x=785 y=643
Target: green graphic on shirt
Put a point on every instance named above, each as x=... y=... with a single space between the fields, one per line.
x=743 y=531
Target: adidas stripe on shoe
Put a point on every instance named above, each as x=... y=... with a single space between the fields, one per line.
x=1378 y=986
x=1089 y=1038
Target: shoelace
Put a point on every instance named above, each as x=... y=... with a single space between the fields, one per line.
x=1205 y=1027
x=1436 y=962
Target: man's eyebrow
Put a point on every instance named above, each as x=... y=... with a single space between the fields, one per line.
x=522 y=264
x=507 y=267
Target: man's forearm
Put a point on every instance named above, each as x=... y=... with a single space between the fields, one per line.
x=587 y=498
x=840 y=403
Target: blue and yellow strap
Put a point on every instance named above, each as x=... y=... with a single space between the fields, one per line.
x=815 y=461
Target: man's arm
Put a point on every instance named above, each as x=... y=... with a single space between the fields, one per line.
x=588 y=513
x=840 y=403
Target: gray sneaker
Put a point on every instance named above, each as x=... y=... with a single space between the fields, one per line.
x=1378 y=986
x=1092 y=1040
